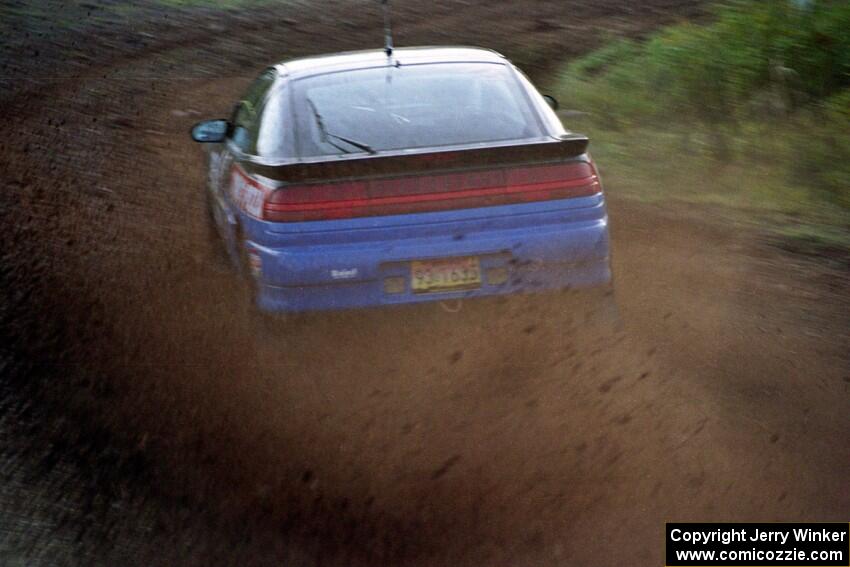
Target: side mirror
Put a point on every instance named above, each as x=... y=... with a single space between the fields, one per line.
x=551 y=101
x=210 y=131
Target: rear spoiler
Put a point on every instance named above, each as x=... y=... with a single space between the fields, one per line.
x=405 y=163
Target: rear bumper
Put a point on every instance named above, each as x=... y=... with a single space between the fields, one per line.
x=346 y=264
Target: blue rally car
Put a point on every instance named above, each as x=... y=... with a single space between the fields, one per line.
x=364 y=179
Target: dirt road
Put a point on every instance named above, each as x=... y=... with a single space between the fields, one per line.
x=150 y=419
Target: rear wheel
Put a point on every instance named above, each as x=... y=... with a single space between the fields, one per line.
x=267 y=322
x=249 y=282
x=603 y=313
x=592 y=312
x=213 y=236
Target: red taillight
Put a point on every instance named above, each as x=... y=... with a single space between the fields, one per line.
x=430 y=193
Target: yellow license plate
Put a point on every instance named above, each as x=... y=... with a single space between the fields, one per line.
x=450 y=274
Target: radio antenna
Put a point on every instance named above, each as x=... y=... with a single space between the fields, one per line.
x=388 y=29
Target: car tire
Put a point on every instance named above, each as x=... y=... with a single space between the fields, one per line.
x=603 y=316
x=217 y=246
x=590 y=312
x=248 y=281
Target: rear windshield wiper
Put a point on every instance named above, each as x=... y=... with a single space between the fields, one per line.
x=326 y=135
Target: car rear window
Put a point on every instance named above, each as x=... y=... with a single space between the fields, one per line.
x=410 y=106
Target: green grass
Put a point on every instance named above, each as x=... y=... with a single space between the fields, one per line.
x=662 y=164
x=750 y=112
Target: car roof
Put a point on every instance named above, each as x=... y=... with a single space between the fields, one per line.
x=334 y=62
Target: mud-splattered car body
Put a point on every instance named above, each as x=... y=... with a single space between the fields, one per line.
x=362 y=179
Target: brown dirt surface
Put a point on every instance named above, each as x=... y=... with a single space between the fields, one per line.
x=149 y=417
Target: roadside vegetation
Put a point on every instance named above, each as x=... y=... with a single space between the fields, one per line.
x=750 y=111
